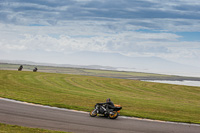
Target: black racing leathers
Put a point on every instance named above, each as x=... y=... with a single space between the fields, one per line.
x=109 y=105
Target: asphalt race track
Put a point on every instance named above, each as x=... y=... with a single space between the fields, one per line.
x=31 y=115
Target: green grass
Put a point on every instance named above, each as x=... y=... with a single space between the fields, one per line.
x=139 y=99
x=4 y=128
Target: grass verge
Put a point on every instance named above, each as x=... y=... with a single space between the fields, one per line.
x=4 y=128
x=139 y=99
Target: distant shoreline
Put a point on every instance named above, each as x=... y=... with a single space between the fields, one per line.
x=184 y=82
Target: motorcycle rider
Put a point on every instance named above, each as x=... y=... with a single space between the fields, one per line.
x=35 y=69
x=20 y=68
x=109 y=105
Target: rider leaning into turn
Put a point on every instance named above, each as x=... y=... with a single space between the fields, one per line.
x=109 y=104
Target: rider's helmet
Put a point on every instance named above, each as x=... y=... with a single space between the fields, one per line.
x=108 y=100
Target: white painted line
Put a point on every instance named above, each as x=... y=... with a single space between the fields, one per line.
x=123 y=117
x=143 y=119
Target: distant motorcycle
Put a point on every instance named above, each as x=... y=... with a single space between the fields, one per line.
x=35 y=69
x=20 y=68
x=100 y=109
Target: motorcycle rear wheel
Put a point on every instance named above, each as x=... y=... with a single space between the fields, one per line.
x=114 y=115
x=93 y=113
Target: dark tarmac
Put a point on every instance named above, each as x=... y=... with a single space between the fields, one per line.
x=38 y=116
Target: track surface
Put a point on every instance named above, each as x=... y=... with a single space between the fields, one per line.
x=30 y=115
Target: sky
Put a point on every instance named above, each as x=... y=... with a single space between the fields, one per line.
x=37 y=30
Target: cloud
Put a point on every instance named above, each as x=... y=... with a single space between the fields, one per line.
x=160 y=15
x=133 y=28
x=66 y=40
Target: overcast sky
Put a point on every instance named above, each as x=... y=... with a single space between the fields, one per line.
x=169 y=29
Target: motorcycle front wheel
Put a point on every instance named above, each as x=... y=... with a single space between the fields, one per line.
x=114 y=115
x=93 y=113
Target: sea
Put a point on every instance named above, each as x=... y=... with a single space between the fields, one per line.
x=184 y=82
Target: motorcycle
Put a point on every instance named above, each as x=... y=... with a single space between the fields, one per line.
x=100 y=109
x=35 y=69
x=20 y=68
